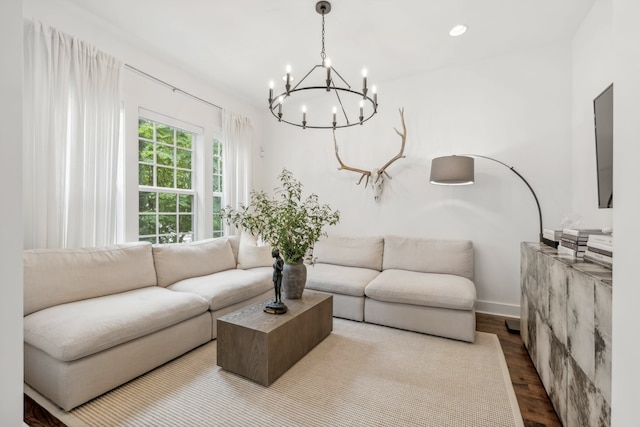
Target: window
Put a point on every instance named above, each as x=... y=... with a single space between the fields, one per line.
x=217 y=188
x=165 y=179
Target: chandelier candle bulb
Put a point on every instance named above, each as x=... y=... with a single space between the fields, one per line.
x=361 y=111
x=334 y=116
x=288 y=85
x=304 y=117
x=270 y=91
x=364 y=83
x=280 y=111
x=375 y=96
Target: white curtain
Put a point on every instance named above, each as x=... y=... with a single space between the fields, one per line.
x=236 y=160
x=72 y=103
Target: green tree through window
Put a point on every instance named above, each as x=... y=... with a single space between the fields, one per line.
x=165 y=179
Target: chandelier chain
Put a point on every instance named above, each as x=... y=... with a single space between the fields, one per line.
x=323 y=55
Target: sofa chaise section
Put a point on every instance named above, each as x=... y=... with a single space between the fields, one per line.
x=95 y=318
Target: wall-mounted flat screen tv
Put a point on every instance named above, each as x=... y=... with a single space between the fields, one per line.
x=603 y=121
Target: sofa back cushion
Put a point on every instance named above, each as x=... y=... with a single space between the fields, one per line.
x=58 y=276
x=234 y=240
x=363 y=252
x=252 y=253
x=429 y=255
x=186 y=260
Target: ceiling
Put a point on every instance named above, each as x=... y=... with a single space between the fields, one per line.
x=240 y=45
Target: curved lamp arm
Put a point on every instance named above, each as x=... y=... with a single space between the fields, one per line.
x=451 y=178
x=533 y=193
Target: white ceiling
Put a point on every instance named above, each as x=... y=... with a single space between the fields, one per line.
x=241 y=45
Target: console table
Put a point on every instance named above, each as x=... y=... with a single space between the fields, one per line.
x=565 y=324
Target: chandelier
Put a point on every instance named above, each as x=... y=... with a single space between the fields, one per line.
x=354 y=107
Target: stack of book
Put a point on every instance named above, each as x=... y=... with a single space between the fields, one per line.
x=551 y=237
x=600 y=249
x=574 y=241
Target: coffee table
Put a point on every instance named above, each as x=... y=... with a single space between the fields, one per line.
x=262 y=346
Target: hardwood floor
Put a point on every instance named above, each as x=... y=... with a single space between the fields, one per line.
x=36 y=416
x=534 y=403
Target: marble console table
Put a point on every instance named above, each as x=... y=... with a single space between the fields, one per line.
x=565 y=325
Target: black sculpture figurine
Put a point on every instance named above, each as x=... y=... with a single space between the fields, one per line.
x=277 y=306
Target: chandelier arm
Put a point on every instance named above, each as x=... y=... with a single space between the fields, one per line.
x=306 y=75
x=344 y=113
x=343 y=80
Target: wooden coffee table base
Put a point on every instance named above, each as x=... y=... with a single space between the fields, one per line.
x=262 y=346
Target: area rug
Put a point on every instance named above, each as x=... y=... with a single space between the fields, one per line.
x=361 y=375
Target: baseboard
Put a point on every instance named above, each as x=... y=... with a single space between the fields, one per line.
x=497 y=308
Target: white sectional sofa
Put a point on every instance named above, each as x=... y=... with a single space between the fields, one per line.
x=96 y=318
x=423 y=285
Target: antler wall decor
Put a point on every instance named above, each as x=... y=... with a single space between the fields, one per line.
x=377 y=175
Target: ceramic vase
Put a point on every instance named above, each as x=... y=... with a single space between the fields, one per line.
x=294 y=278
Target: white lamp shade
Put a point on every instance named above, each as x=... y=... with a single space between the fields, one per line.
x=452 y=170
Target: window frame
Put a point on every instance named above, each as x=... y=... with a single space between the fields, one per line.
x=215 y=211
x=145 y=97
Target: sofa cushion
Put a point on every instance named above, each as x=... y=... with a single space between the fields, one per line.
x=429 y=255
x=203 y=257
x=339 y=279
x=70 y=331
x=426 y=289
x=234 y=241
x=228 y=287
x=252 y=254
x=58 y=276
x=363 y=252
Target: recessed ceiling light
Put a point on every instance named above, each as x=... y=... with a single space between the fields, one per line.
x=458 y=30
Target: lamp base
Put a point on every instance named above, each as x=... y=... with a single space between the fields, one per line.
x=513 y=326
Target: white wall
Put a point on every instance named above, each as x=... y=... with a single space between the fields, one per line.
x=515 y=108
x=592 y=71
x=11 y=411
x=626 y=152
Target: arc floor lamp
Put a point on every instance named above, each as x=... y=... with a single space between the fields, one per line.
x=459 y=170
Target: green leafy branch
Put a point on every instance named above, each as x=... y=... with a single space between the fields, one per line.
x=288 y=222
